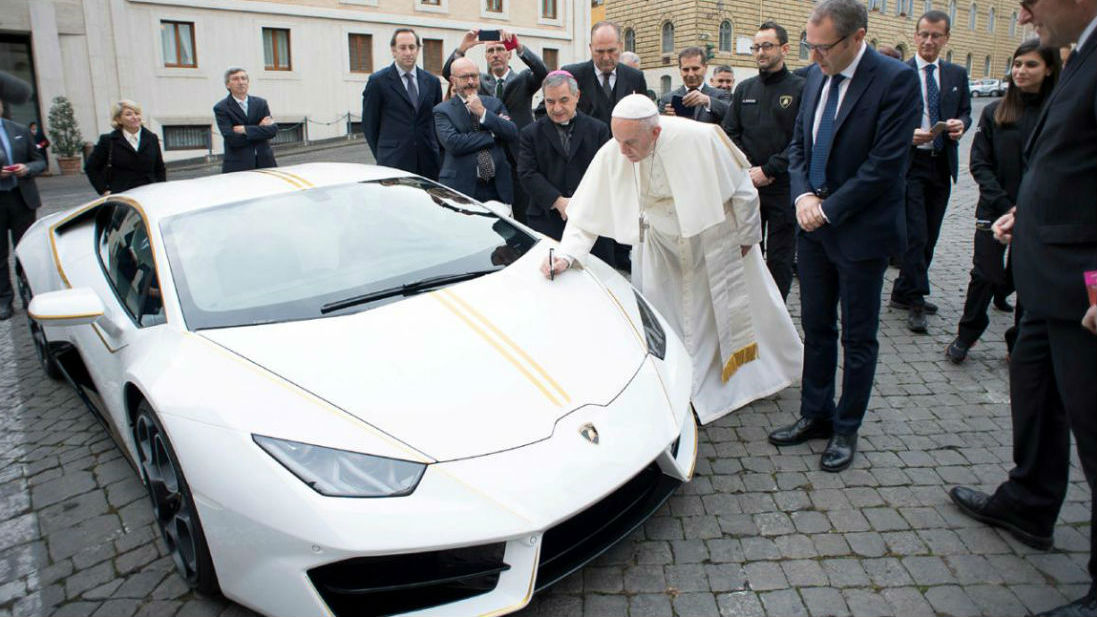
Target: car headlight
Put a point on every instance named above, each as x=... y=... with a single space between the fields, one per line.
x=341 y=473
x=653 y=331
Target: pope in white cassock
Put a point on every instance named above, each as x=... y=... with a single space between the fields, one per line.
x=679 y=192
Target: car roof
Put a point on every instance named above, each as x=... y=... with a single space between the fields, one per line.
x=165 y=199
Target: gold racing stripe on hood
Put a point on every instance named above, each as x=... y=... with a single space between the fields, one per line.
x=450 y=301
x=510 y=343
x=296 y=181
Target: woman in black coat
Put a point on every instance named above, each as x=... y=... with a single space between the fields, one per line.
x=127 y=157
x=996 y=165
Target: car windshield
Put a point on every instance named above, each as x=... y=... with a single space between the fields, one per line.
x=303 y=255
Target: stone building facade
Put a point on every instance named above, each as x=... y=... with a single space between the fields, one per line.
x=984 y=32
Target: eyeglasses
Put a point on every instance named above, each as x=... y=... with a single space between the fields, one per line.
x=763 y=47
x=936 y=36
x=823 y=49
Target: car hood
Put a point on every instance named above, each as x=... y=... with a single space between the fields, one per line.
x=475 y=368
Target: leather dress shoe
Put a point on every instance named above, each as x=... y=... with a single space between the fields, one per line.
x=801 y=431
x=957 y=351
x=929 y=307
x=5 y=311
x=1086 y=606
x=981 y=507
x=916 y=320
x=839 y=452
x=1003 y=305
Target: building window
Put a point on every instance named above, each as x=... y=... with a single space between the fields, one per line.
x=177 y=40
x=548 y=9
x=902 y=49
x=967 y=64
x=361 y=53
x=725 y=36
x=883 y=4
x=493 y=6
x=986 y=67
x=948 y=56
x=952 y=11
x=668 y=38
x=630 y=40
x=289 y=134
x=803 y=46
x=186 y=137
x=431 y=2
x=971 y=16
x=276 y=50
x=927 y=7
x=874 y=5
x=1013 y=24
x=432 y=56
x=664 y=85
x=990 y=20
x=551 y=57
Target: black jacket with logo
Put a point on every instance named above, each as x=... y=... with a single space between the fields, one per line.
x=762 y=118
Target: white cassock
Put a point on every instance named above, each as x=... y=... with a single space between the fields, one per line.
x=686 y=209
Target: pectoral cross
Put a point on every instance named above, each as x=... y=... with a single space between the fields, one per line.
x=643 y=228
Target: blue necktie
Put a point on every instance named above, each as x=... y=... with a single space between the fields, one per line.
x=933 y=102
x=413 y=91
x=817 y=173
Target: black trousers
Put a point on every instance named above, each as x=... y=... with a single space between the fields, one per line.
x=990 y=278
x=15 y=218
x=779 y=233
x=827 y=280
x=928 y=187
x=552 y=225
x=1053 y=393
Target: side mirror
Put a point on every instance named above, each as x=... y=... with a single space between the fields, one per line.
x=68 y=307
x=500 y=208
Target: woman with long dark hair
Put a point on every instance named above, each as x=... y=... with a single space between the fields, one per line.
x=996 y=152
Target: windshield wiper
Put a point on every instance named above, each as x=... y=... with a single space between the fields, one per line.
x=407 y=289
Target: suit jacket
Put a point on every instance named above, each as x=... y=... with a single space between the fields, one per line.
x=1055 y=235
x=718 y=104
x=23 y=150
x=250 y=150
x=399 y=134
x=869 y=153
x=593 y=100
x=518 y=87
x=461 y=141
x=955 y=102
x=545 y=170
x=115 y=166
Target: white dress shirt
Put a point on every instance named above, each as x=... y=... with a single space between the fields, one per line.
x=133 y=138
x=926 y=124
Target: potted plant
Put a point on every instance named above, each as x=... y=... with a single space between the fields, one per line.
x=66 y=137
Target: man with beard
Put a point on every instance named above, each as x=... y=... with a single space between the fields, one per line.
x=705 y=102
x=761 y=121
x=472 y=130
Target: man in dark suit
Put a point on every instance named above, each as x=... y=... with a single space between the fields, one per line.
x=850 y=143
x=723 y=79
x=472 y=130
x=554 y=153
x=707 y=103
x=20 y=162
x=934 y=163
x=761 y=121
x=515 y=89
x=1054 y=242
x=245 y=124
x=397 y=110
x=605 y=81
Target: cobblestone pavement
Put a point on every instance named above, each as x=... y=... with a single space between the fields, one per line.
x=759 y=531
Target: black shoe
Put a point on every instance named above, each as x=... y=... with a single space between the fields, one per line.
x=957 y=351
x=1003 y=305
x=1086 y=606
x=5 y=311
x=839 y=453
x=981 y=507
x=801 y=431
x=929 y=307
x=916 y=320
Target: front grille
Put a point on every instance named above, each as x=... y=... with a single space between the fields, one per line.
x=402 y=583
x=574 y=542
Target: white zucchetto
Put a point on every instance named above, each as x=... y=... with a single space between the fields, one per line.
x=635 y=106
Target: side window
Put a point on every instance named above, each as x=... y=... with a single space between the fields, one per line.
x=126 y=255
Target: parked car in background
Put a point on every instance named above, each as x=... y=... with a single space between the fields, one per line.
x=986 y=87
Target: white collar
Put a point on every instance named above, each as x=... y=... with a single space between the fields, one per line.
x=922 y=64
x=1088 y=32
x=852 y=68
x=504 y=77
x=243 y=101
x=410 y=71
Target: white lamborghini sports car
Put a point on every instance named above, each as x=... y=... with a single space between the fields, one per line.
x=350 y=391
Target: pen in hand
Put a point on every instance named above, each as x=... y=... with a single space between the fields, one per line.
x=552 y=266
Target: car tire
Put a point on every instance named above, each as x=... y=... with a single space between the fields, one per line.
x=37 y=334
x=172 y=503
